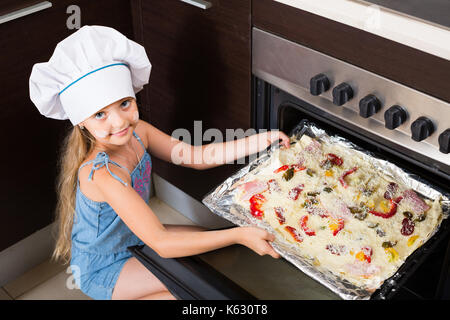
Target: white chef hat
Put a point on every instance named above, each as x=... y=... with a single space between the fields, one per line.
x=90 y=69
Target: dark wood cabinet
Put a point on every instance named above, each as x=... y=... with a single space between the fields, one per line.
x=30 y=142
x=201 y=71
x=393 y=60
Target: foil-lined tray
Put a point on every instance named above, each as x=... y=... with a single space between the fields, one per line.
x=221 y=202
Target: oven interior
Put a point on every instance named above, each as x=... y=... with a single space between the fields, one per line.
x=425 y=273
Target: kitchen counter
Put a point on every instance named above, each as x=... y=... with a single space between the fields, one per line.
x=392 y=25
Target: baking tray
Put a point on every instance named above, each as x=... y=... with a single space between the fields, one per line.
x=218 y=200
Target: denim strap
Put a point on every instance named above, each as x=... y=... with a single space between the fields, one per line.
x=139 y=139
x=102 y=159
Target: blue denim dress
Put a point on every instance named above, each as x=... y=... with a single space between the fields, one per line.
x=99 y=237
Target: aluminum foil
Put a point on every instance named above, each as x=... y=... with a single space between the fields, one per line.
x=220 y=201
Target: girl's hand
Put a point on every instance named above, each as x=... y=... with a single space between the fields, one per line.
x=257 y=240
x=269 y=137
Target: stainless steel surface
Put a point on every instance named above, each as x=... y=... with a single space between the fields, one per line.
x=25 y=11
x=434 y=11
x=290 y=66
x=199 y=3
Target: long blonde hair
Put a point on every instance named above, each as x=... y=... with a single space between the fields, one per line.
x=76 y=146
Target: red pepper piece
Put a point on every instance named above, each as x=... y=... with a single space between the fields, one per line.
x=340 y=226
x=297 y=167
x=335 y=159
x=256 y=201
x=392 y=210
x=367 y=253
x=280 y=214
x=341 y=179
x=294 y=233
x=308 y=231
x=282 y=168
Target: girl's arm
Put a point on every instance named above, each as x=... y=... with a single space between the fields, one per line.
x=172 y=241
x=216 y=154
x=207 y=156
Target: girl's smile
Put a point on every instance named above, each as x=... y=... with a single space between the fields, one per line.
x=121 y=133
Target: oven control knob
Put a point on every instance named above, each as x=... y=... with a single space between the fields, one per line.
x=369 y=105
x=342 y=93
x=394 y=117
x=422 y=128
x=319 y=84
x=444 y=141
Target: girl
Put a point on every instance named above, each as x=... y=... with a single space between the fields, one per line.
x=103 y=186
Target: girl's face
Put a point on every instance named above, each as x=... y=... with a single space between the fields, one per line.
x=114 y=124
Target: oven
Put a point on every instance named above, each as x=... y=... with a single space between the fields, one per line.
x=292 y=83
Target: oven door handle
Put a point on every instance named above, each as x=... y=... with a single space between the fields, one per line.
x=190 y=278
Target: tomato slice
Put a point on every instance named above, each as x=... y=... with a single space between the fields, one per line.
x=256 y=202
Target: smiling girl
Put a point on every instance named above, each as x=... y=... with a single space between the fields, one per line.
x=105 y=168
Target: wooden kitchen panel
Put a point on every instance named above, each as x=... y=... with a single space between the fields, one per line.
x=393 y=60
x=31 y=142
x=200 y=72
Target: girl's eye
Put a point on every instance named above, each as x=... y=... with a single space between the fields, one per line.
x=99 y=115
x=125 y=103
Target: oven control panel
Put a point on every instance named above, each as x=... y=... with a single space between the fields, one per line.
x=383 y=107
x=395 y=116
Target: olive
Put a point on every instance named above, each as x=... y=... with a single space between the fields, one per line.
x=288 y=174
x=355 y=210
x=327 y=189
x=310 y=172
x=408 y=214
x=388 y=244
x=361 y=215
x=313 y=194
x=420 y=218
x=372 y=225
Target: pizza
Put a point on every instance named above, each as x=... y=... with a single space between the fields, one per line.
x=339 y=210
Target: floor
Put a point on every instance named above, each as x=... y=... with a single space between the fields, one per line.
x=53 y=281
